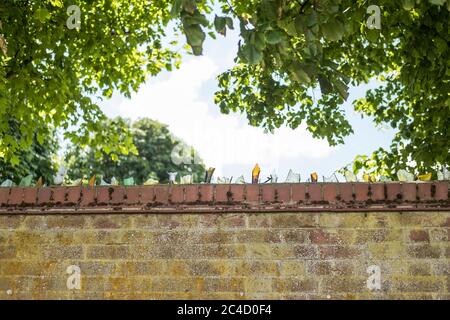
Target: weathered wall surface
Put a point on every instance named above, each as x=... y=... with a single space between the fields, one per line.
x=311 y=253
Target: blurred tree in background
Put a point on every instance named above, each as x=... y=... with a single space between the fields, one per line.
x=155 y=147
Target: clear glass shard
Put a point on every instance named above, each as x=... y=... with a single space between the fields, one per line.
x=240 y=180
x=172 y=176
x=405 y=176
x=7 y=183
x=188 y=179
x=293 y=177
x=114 y=181
x=331 y=179
x=350 y=176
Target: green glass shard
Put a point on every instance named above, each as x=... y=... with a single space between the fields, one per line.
x=26 y=181
x=128 y=181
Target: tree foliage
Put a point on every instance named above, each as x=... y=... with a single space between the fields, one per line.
x=290 y=49
x=49 y=74
x=155 y=149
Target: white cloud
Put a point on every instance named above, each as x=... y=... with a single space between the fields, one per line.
x=222 y=140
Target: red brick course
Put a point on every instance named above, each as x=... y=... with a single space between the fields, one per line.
x=278 y=196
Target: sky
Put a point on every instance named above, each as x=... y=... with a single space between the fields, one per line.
x=184 y=100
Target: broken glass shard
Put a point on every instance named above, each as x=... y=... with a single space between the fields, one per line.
x=293 y=177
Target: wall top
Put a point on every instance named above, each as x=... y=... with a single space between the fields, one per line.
x=222 y=198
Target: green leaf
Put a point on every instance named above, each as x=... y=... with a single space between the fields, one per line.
x=176 y=8
x=342 y=88
x=299 y=74
x=42 y=15
x=220 y=25
x=333 y=31
x=195 y=37
x=325 y=85
x=251 y=53
x=274 y=36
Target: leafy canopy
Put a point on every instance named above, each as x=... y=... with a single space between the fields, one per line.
x=290 y=49
x=49 y=74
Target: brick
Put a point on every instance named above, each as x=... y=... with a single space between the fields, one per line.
x=224 y=285
x=294 y=285
x=162 y=195
x=111 y=222
x=65 y=222
x=7 y=252
x=87 y=196
x=73 y=195
x=298 y=193
x=294 y=268
x=4 y=195
x=111 y=252
x=419 y=236
x=394 y=191
x=339 y=252
x=268 y=193
x=133 y=195
x=378 y=235
x=424 y=191
x=192 y=194
x=117 y=196
x=416 y=284
x=206 y=193
x=62 y=252
x=15 y=196
x=283 y=193
x=29 y=196
x=305 y=252
x=409 y=192
x=177 y=194
x=330 y=192
x=314 y=192
x=103 y=195
x=237 y=193
x=222 y=193
x=294 y=221
x=361 y=192
x=442 y=190
x=346 y=192
x=320 y=236
x=147 y=195
x=59 y=195
x=424 y=251
x=253 y=193
x=344 y=284
x=377 y=192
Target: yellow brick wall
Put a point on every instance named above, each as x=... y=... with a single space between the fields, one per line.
x=230 y=256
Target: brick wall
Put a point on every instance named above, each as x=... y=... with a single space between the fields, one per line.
x=283 y=241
